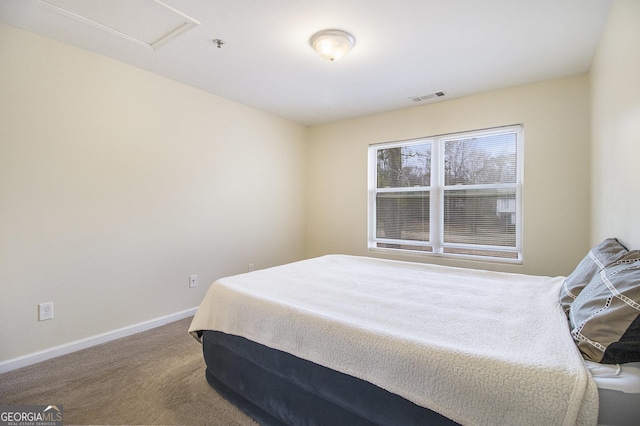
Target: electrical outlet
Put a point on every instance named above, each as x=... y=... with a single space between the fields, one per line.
x=45 y=311
x=193 y=280
x=251 y=267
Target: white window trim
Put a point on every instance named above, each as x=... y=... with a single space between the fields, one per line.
x=436 y=190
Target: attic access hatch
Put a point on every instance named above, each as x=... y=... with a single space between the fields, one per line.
x=148 y=23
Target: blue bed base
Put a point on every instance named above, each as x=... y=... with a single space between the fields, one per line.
x=277 y=388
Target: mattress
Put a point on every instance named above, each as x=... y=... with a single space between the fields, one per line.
x=477 y=347
x=276 y=388
x=619 y=393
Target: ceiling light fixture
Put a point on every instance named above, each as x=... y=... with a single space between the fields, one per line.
x=332 y=44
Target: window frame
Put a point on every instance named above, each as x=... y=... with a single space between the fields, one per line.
x=436 y=246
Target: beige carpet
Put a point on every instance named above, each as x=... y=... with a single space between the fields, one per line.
x=152 y=378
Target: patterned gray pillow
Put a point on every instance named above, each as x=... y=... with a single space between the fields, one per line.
x=605 y=253
x=605 y=317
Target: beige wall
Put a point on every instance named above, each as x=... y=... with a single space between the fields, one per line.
x=615 y=85
x=116 y=185
x=555 y=115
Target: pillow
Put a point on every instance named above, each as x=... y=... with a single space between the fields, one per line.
x=605 y=317
x=598 y=257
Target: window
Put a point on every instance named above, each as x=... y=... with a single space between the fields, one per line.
x=451 y=195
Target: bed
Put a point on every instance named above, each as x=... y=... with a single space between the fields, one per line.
x=357 y=340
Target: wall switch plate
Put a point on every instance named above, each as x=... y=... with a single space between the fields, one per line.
x=193 y=280
x=45 y=311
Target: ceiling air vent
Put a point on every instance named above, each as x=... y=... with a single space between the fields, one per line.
x=427 y=97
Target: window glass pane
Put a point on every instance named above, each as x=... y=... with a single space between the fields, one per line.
x=483 y=216
x=482 y=160
x=404 y=166
x=481 y=252
x=426 y=249
x=403 y=215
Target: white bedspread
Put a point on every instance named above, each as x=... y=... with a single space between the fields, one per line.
x=481 y=348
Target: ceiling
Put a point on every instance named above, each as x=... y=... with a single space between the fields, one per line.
x=403 y=49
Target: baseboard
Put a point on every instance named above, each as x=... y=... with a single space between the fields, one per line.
x=46 y=354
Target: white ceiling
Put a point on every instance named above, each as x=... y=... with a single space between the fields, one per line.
x=404 y=48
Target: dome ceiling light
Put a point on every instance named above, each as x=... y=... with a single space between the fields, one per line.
x=332 y=44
